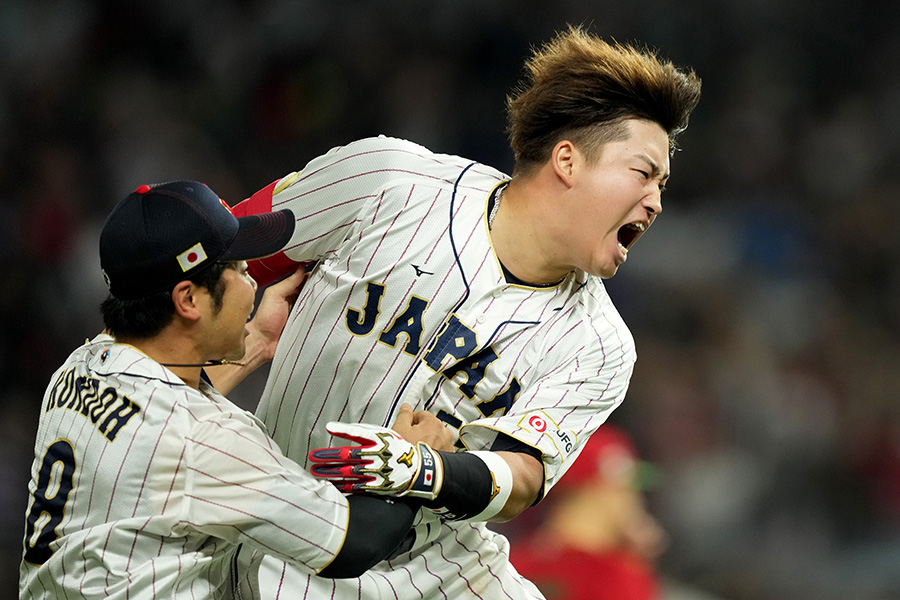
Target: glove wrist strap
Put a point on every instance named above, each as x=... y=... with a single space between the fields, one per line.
x=476 y=486
x=428 y=481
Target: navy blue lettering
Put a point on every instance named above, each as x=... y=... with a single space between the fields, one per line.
x=456 y=341
x=37 y=548
x=67 y=390
x=57 y=389
x=90 y=388
x=103 y=403
x=502 y=402
x=474 y=368
x=363 y=323
x=408 y=322
x=120 y=416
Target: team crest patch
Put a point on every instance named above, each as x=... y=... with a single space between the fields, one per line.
x=191 y=257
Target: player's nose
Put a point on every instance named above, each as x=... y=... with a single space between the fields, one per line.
x=653 y=202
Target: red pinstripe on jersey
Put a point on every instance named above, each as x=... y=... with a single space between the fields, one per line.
x=161 y=510
x=393 y=214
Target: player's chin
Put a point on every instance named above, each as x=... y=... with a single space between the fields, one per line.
x=605 y=269
x=239 y=349
x=606 y=260
x=606 y=273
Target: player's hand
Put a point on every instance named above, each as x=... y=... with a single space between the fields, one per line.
x=272 y=313
x=422 y=426
x=382 y=463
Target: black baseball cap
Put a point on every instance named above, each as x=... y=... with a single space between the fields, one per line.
x=165 y=233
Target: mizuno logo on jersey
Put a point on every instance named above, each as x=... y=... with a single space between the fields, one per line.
x=453 y=352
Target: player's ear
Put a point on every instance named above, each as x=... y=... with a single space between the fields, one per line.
x=563 y=159
x=186 y=299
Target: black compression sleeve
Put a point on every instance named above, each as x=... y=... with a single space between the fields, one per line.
x=507 y=443
x=376 y=526
x=467 y=489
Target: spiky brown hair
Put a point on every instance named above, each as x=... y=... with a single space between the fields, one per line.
x=582 y=88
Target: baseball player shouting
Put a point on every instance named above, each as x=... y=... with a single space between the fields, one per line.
x=147 y=482
x=446 y=284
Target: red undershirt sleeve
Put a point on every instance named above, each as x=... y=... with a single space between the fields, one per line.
x=274 y=267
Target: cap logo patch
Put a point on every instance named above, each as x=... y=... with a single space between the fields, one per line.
x=228 y=208
x=191 y=257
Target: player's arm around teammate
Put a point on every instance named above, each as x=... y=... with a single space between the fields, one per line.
x=157 y=480
x=526 y=472
x=472 y=486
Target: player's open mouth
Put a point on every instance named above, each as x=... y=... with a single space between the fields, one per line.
x=628 y=235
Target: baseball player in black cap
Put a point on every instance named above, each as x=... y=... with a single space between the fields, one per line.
x=147 y=482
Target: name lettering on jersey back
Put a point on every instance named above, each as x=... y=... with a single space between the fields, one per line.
x=106 y=408
x=453 y=353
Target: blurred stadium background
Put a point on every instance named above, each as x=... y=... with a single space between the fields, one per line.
x=765 y=303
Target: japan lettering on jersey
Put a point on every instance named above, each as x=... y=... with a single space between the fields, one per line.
x=407 y=302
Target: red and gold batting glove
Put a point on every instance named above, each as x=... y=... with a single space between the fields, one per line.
x=382 y=463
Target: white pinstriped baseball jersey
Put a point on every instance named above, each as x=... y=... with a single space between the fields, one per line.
x=143 y=487
x=408 y=303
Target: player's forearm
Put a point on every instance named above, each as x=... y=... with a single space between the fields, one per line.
x=470 y=486
x=528 y=479
x=487 y=486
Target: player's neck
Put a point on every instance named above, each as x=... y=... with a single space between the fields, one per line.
x=175 y=352
x=519 y=238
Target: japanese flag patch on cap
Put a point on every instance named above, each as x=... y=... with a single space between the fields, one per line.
x=157 y=222
x=191 y=257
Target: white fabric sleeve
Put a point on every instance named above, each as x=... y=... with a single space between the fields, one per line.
x=339 y=192
x=240 y=487
x=557 y=413
x=503 y=484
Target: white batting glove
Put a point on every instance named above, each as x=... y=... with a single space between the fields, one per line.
x=383 y=463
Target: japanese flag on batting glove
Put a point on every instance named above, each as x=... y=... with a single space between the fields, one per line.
x=382 y=463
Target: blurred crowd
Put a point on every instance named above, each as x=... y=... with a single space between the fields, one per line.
x=765 y=303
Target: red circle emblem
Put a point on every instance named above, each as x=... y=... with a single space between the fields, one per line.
x=192 y=257
x=537 y=423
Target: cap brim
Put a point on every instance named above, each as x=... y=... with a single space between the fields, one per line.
x=260 y=235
